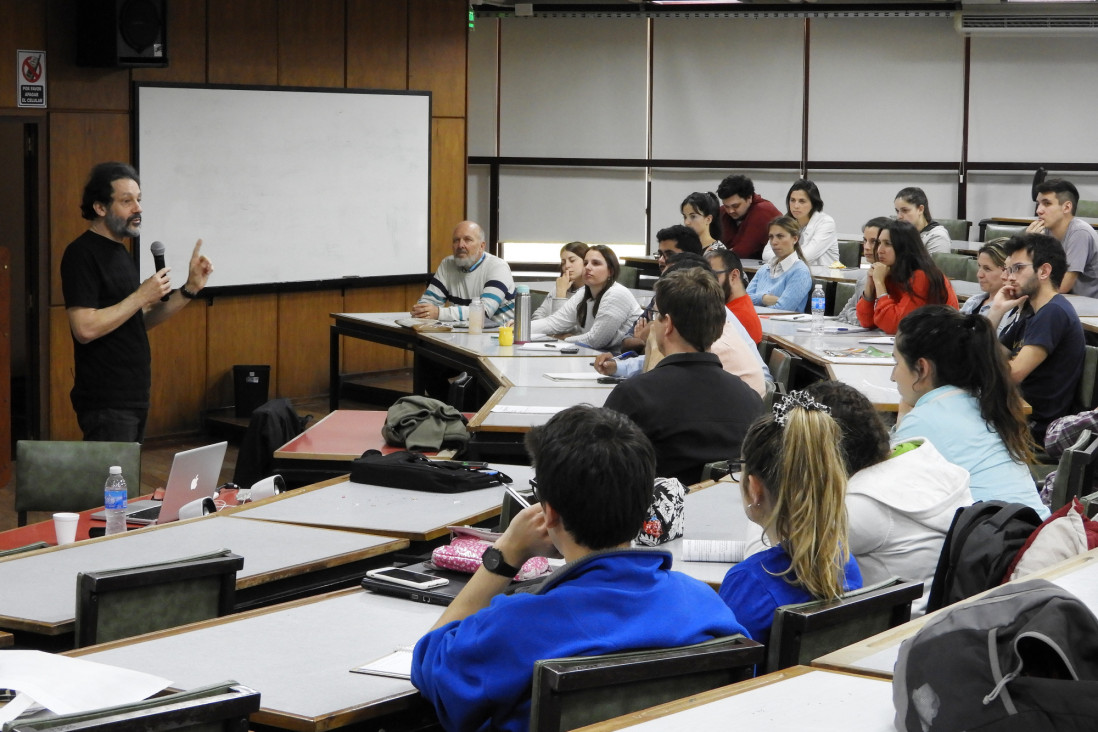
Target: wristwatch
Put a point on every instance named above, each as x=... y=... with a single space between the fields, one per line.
x=187 y=293
x=494 y=563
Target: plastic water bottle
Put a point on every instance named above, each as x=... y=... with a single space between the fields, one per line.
x=522 y=313
x=114 y=499
x=819 y=303
x=476 y=316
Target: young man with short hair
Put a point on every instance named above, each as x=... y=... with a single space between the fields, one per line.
x=1057 y=200
x=595 y=473
x=745 y=216
x=727 y=266
x=1046 y=342
x=674 y=240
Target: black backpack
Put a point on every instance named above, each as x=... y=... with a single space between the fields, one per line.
x=1023 y=658
x=979 y=548
x=414 y=471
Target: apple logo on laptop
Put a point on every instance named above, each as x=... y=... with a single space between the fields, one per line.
x=194 y=482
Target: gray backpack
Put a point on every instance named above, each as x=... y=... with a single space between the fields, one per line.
x=1024 y=657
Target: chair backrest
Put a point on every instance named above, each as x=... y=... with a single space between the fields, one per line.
x=782 y=365
x=843 y=292
x=1075 y=472
x=804 y=632
x=573 y=692
x=958 y=228
x=119 y=603
x=1087 y=208
x=224 y=706
x=272 y=425
x=54 y=475
x=953 y=266
x=996 y=231
x=21 y=549
x=850 y=253
x=629 y=276
x=972 y=267
x=1087 y=393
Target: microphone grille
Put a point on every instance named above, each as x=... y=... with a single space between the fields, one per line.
x=157 y=248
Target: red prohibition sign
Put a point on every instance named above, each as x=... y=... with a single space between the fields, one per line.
x=32 y=68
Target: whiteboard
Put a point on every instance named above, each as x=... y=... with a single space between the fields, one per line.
x=284 y=186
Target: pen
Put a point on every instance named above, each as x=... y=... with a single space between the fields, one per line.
x=620 y=356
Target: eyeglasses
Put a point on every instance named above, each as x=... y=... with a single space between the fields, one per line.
x=665 y=253
x=534 y=489
x=1016 y=269
x=721 y=271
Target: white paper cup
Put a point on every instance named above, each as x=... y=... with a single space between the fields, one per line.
x=64 y=527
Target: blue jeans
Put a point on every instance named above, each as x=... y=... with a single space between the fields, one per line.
x=113 y=425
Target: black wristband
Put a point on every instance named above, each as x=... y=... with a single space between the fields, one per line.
x=187 y=293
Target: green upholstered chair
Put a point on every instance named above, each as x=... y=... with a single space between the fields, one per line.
x=629 y=276
x=850 y=253
x=119 y=603
x=997 y=231
x=958 y=228
x=1075 y=471
x=954 y=266
x=971 y=268
x=21 y=549
x=537 y=297
x=69 y=476
x=1087 y=392
x=1088 y=209
x=802 y=633
x=843 y=292
x=221 y=707
x=783 y=366
x=574 y=692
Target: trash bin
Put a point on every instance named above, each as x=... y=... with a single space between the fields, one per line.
x=250 y=386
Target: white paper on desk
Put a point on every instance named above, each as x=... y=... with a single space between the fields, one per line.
x=67 y=685
x=397 y=665
x=518 y=409
x=879 y=341
x=575 y=376
x=792 y=318
x=543 y=346
x=835 y=329
x=725 y=551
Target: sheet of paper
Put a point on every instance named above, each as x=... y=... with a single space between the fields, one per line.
x=575 y=376
x=879 y=341
x=835 y=329
x=712 y=550
x=67 y=685
x=542 y=346
x=519 y=409
x=397 y=665
x=799 y=317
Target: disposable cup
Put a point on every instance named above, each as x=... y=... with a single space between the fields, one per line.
x=64 y=527
x=506 y=335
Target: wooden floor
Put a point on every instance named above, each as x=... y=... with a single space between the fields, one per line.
x=156 y=461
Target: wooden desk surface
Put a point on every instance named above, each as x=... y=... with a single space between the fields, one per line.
x=1085 y=307
x=531 y=372
x=46 y=603
x=297 y=655
x=555 y=398
x=342 y=435
x=6 y=640
x=354 y=507
x=796 y=698
x=1090 y=323
x=876 y=656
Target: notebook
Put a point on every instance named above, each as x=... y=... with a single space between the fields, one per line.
x=194 y=475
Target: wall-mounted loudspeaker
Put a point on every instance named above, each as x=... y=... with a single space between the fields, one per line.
x=122 y=33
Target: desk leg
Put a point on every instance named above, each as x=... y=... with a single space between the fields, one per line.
x=333 y=369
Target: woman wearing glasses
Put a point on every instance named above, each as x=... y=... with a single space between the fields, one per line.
x=568 y=283
x=912 y=207
x=903 y=278
x=785 y=281
x=819 y=242
x=602 y=313
x=956 y=391
x=700 y=215
x=990 y=263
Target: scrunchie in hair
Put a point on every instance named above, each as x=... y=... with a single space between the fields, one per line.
x=794 y=400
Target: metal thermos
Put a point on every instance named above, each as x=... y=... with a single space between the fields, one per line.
x=522 y=313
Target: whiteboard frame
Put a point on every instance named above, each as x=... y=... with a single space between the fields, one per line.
x=179 y=251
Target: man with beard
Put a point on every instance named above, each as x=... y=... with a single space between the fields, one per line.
x=110 y=309
x=1046 y=342
x=469 y=273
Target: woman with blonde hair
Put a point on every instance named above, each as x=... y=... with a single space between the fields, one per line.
x=794 y=486
x=785 y=281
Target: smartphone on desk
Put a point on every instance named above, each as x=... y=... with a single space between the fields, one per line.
x=407 y=578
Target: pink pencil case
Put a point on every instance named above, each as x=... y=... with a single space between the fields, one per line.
x=463 y=554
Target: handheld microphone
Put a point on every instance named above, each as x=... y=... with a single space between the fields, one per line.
x=157 y=249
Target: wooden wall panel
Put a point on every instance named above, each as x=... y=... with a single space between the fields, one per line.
x=243 y=38
x=186 y=45
x=437 y=44
x=240 y=330
x=5 y=364
x=62 y=419
x=77 y=142
x=311 y=48
x=303 y=320
x=359 y=356
x=72 y=87
x=22 y=26
x=447 y=184
x=178 y=372
x=377 y=44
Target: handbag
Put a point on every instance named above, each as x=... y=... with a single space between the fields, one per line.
x=413 y=471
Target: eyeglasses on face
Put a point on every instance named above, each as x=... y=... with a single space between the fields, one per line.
x=1016 y=269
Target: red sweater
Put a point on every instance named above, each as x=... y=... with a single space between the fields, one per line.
x=744 y=310
x=747 y=236
x=887 y=311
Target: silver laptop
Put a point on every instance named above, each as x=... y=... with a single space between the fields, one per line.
x=194 y=475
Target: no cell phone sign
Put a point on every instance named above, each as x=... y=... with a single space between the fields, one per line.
x=30 y=79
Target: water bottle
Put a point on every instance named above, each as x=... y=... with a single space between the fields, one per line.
x=114 y=498
x=522 y=314
x=819 y=303
x=476 y=316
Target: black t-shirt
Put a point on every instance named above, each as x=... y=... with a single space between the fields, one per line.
x=113 y=370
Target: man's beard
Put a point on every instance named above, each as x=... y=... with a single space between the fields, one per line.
x=122 y=227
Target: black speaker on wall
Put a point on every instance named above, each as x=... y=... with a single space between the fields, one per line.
x=115 y=33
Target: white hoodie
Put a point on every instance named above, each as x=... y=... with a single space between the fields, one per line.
x=899 y=511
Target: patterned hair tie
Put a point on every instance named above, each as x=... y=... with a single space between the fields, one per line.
x=794 y=400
